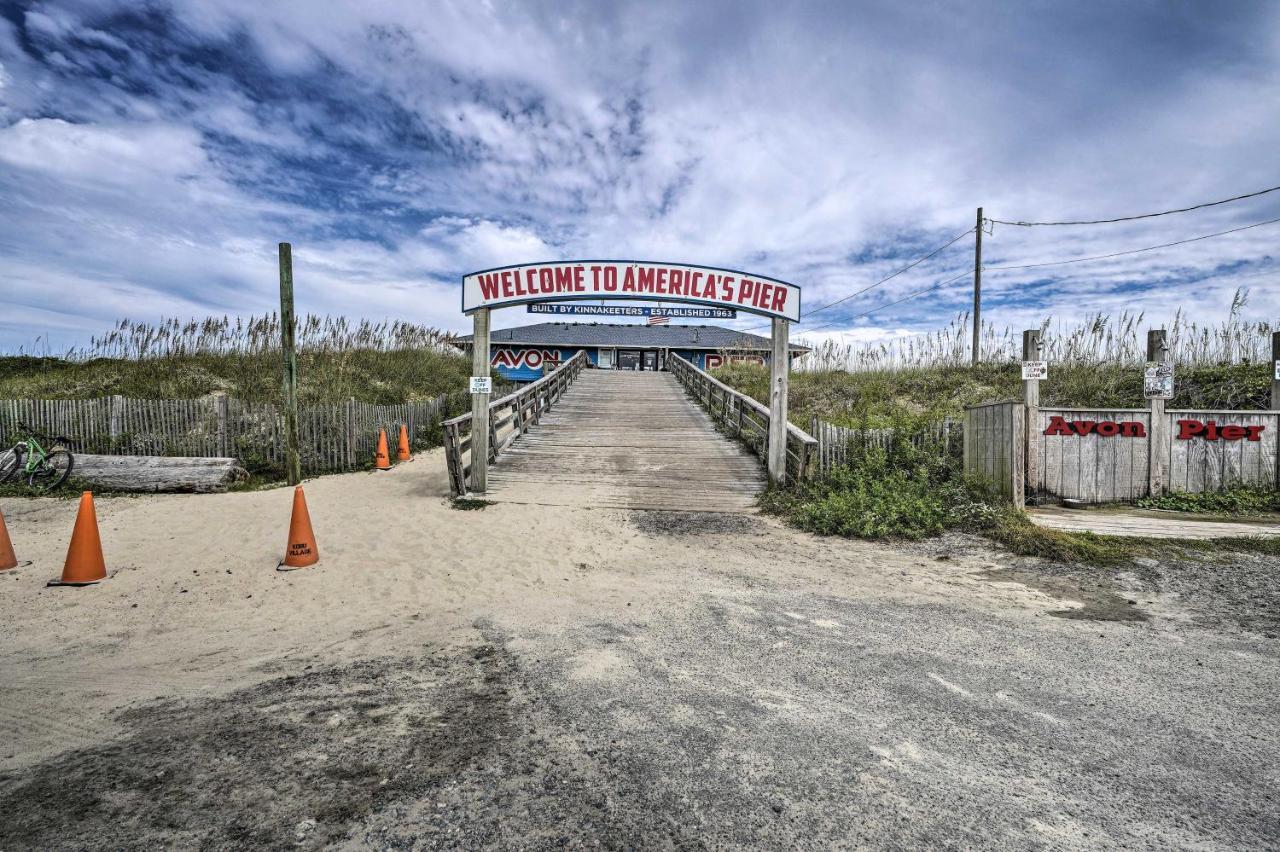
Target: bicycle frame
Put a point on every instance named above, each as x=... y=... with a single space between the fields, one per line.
x=35 y=456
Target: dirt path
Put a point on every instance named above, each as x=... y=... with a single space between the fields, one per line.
x=541 y=676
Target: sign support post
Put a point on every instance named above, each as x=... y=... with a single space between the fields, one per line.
x=480 y=403
x=1031 y=398
x=779 y=379
x=292 y=459
x=1157 y=352
x=1275 y=368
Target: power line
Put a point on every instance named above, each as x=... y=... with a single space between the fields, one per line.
x=1143 y=215
x=913 y=263
x=909 y=296
x=1135 y=251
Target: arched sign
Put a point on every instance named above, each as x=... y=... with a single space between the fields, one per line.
x=630 y=280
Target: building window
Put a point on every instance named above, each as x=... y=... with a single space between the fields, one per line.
x=604 y=359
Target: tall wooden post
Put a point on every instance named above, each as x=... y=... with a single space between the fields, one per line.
x=480 y=403
x=1275 y=390
x=1275 y=370
x=977 y=288
x=1031 y=398
x=779 y=380
x=1158 y=443
x=292 y=461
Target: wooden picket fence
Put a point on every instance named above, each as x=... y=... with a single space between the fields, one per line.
x=836 y=443
x=332 y=436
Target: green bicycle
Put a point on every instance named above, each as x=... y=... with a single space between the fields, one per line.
x=43 y=469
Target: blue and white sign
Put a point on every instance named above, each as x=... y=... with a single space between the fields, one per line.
x=632 y=311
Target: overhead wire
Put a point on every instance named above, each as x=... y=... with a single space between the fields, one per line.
x=1142 y=215
x=887 y=278
x=960 y=236
x=938 y=286
x=1133 y=251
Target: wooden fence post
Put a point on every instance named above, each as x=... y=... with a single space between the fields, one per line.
x=480 y=367
x=1275 y=394
x=1275 y=371
x=779 y=375
x=115 y=409
x=351 y=431
x=1157 y=443
x=292 y=460
x=220 y=407
x=1031 y=399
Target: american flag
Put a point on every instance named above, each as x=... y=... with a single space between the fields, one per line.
x=659 y=320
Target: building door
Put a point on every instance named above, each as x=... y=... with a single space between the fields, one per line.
x=628 y=359
x=651 y=359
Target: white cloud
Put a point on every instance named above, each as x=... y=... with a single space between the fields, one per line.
x=399 y=145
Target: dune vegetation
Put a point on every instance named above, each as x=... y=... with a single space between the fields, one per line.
x=381 y=363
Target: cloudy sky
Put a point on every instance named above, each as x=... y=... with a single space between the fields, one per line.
x=153 y=154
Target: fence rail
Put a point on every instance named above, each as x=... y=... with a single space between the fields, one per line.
x=837 y=443
x=332 y=436
x=510 y=416
x=746 y=418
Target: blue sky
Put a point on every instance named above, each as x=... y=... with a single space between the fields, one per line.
x=153 y=154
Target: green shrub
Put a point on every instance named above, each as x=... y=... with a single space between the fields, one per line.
x=1240 y=500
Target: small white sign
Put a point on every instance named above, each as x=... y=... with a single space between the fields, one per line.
x=1035 y=370
x=1157 y=380
x=1278 y=371
x=482 y=384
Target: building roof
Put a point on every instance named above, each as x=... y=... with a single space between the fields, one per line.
x=639 y=336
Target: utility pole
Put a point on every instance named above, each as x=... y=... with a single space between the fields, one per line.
x=977 y=287
x=292 y=462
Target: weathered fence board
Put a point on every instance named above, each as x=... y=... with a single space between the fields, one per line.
x=1200 y=465
x=994 y=438
x=837 y=443
x=1094 y=468
x=334 y=436
x=1075 y=458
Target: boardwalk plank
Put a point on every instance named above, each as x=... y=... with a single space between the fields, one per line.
x=628 y=440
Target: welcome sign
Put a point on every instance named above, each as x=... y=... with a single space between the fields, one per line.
x=630 y=280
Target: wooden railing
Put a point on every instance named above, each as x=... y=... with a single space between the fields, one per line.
x=744 y=417
x=509 y=418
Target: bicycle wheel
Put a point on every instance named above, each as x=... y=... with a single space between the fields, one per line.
x=11 y=462
x=52 y=471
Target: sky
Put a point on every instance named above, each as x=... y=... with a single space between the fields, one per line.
x=153 y=154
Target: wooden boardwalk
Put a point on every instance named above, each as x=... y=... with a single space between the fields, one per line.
x=627 y=440
x=1147 y=524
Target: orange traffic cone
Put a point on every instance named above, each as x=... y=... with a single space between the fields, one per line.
x=301 y=550
x=403 y=454
x=8 y=559
x=382 y=459
x=85 y=565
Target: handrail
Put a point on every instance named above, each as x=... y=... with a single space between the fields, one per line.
x=746 y=418
x=510 y=417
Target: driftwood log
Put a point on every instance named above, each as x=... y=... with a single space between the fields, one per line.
x=158 y=473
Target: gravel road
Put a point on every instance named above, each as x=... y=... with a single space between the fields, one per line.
x=702 y=683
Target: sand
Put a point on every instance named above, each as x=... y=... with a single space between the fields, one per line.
x=193 y=603
x=520 y=675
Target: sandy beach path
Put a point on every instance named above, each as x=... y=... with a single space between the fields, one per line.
x=539 y=676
